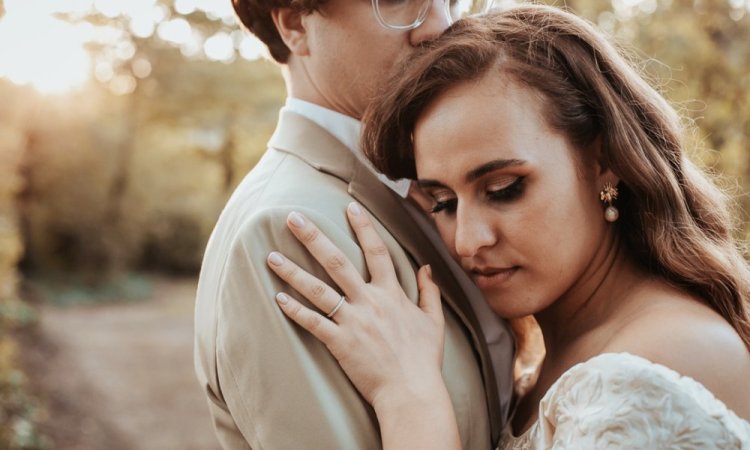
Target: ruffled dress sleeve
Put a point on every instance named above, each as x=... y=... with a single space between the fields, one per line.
x=621 y=401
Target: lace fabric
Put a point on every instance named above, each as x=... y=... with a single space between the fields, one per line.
x=623 y=401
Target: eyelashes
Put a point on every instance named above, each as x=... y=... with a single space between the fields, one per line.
x=511 y=192
x=504 y=195
x=448 y=205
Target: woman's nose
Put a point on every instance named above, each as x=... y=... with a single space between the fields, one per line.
x=472 y=233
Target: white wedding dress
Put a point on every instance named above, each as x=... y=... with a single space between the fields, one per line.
x=622 y=401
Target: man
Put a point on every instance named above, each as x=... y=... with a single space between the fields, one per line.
x=271 y=385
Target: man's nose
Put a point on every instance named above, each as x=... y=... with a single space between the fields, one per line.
x=436 y=22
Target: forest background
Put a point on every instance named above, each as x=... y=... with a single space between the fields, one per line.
x=125 y=126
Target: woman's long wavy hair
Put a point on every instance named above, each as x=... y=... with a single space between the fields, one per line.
x=673 y=220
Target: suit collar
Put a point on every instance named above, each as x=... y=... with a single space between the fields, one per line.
x=311 y=143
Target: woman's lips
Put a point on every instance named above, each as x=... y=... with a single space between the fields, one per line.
x=491 y=278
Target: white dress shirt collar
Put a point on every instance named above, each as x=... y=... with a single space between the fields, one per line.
x=344 y=128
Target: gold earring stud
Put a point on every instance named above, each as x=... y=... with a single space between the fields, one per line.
x=608 y=195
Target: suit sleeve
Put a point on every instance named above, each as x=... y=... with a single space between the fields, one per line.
x=279 y=387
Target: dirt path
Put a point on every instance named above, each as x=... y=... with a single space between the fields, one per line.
x=121 y=376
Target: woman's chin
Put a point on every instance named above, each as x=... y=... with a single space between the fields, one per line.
x=509 y=306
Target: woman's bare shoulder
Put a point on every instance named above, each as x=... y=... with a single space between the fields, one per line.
x=687 y=336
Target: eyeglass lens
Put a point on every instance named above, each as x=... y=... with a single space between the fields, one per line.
x=462 y=8
x=409 y=13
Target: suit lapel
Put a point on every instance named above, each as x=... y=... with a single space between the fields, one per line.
x=299 y=136
x=418 y=237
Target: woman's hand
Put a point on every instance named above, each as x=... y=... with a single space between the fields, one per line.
x=388 y=347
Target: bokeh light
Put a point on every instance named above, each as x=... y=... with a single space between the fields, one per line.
x=176 y=31
x=219 y=47
x=47 y=43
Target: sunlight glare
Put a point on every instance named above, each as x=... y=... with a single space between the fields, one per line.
x=52 y=6
x=52 y=58
x=217 y=9
x=739 y=9
x=110 y=8
x=74 y=6
x=185 y=7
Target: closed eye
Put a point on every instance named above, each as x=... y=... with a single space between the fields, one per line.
x=449 y=206
x=508 y=193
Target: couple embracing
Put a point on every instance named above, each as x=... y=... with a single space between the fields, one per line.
x=431 y=178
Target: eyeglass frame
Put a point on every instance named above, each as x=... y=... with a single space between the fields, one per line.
x=421 y=17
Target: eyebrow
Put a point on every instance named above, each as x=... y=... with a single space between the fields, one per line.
x=477 y=172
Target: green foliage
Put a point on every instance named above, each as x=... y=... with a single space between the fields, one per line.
x=15 y=313
x=19 y=412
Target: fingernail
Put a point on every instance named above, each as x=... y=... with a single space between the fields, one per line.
x=276 y=259
x=282 y=298
x=297 y=219
x=355 y=209
x=428 y=268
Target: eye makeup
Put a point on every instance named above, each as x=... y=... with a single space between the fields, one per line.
x=510 y=192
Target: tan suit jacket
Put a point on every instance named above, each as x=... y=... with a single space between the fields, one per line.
x=270 y=384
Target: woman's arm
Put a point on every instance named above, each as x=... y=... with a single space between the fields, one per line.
x=389 y=348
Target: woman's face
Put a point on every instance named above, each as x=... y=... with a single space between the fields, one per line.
x=511 y=200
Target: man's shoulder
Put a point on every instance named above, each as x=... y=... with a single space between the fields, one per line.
x=281 y=177
x=281 y=181
x=256 y=212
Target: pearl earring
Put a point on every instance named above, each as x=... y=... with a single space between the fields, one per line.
x=608 y=196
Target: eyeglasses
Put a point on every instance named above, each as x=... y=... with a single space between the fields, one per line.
x=410 y=14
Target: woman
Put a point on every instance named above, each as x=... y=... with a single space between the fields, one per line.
x=559 y=182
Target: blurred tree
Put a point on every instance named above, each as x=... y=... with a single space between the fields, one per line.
x=19 y=413
x=137 y=176
x=697 y=52
x=140 y=179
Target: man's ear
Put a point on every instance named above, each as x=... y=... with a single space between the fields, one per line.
x=292 y=30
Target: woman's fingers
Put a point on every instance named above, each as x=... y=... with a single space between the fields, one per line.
x=320 y=294
x=316 y=324
x=378 y=259
x=429 y=295
x=333 y=260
